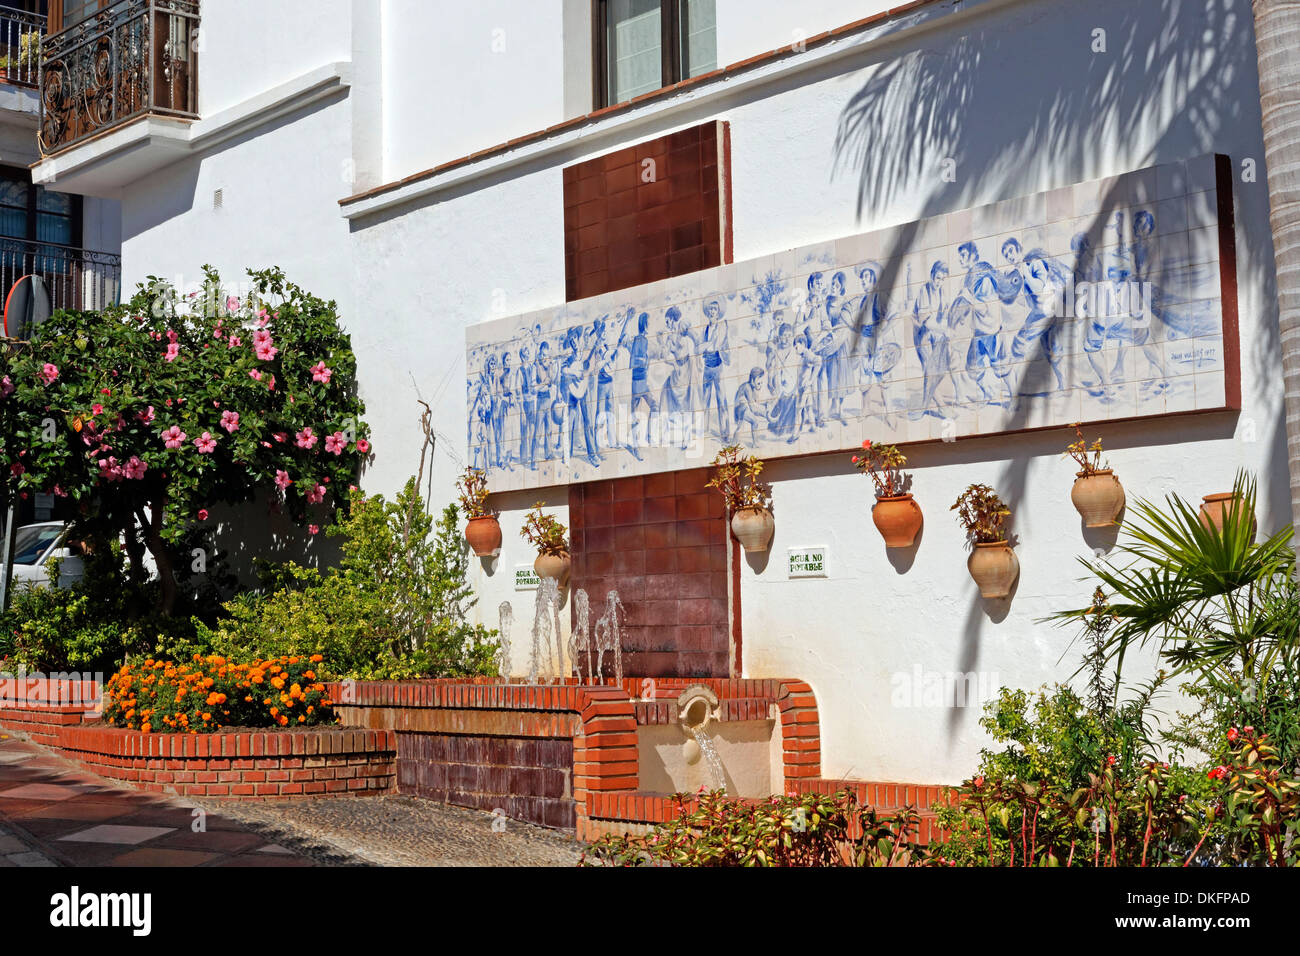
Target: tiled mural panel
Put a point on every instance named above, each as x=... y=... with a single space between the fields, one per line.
x=1090 y=302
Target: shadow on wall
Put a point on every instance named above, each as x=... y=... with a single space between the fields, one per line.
x=254 y=531
x=1024 y=101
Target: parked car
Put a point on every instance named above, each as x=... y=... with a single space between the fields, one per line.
x=35 y=544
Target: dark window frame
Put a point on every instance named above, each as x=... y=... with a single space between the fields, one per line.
x=672 y=35
x=24 y=176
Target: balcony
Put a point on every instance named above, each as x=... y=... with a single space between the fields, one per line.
x=132 y=58
x=21 y=36
x=75 y=278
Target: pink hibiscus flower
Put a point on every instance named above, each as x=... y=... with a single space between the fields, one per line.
x=255 y=374
x=205 y=443
x=316 y=495
x=173 y=437
x=320 y=373
x=135 y=468
x=203 y=514
x=6 y=387
x=282 y=479
x=230 y=421
x=336 y=443
x=145 y=416
x=173 y=351
x=235 y=341
x=49 y=373
x=363 y=446
x=305 y=439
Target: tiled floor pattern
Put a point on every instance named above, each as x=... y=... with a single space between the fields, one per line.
x=52 y=813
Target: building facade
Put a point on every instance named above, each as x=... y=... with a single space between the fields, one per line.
x=889 y=213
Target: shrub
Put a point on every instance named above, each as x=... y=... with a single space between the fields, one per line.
x=809 y=830
x=211 y=692
x=396 y=606
x=145 y=414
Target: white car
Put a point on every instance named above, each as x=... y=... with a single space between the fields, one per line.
x=35 y=544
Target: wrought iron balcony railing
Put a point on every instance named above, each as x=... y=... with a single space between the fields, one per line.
x=131 y=58
x=20 y=46
x=75 y=278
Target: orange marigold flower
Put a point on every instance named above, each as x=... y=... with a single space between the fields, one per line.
x=317 y=658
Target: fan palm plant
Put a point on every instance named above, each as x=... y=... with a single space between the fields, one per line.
x=1218 y=604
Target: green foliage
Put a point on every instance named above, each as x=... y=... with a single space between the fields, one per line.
x=809 y=830
x=90 y=626
x=396 y=606
x=146 y=414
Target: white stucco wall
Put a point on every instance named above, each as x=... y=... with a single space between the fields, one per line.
x=1011 y=91
x=498 y=73
x=249 y=46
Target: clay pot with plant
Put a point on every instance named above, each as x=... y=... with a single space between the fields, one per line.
x=736 y=479
x=547 y=535
x=897 y=517
x=992 y=563
x=1097 y=494
x=483 y=530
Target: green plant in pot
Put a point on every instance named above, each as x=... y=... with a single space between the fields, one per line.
x=545 y=533
x=483 y=530
x=736 y=479
x=1097 y=494
x=992 y=563
x=897 y=517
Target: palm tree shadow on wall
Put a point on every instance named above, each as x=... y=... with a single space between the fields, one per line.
x=1019 y=103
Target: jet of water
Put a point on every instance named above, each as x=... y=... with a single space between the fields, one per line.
x=507 y=614
x=580 y=639
x=711 y=758
x=609 y=636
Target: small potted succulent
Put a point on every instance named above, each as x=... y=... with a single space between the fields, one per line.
x=992 y=563
x=897 y=516
x=546 y=534
x=483 y=531
x=736 y=478
x=1097 y=494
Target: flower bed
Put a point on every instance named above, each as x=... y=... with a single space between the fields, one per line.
x=211 y=692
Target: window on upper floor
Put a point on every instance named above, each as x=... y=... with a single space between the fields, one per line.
x=642 y=45
x=68 y=13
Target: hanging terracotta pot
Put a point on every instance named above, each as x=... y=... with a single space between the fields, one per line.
x=553 y=566
x=484 y=536
x=753 y=528
x=898 y=519
x=994 y=567
x=1098 y=497
x=1213 y=507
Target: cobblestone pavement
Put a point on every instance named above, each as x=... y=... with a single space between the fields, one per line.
x=400 y=831
x=52 y=813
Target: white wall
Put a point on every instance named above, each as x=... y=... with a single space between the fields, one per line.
x=497 y=73
x=280 y=191
x=249 y=46
x=749 y=27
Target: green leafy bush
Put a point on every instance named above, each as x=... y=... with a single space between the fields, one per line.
x=396 y=606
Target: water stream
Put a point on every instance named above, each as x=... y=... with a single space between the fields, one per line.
x=710 y=757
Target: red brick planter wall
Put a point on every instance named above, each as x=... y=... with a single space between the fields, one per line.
x=253 y=764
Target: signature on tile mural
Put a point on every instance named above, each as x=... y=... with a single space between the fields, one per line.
x=1095 y=301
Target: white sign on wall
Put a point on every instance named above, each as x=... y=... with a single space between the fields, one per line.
x=526 y=578
x=808 y=562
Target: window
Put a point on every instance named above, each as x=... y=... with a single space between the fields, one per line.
x=68 y=13
x=643 y=45
x=32 y=212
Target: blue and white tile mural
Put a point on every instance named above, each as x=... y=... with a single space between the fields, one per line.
x=1091 y=302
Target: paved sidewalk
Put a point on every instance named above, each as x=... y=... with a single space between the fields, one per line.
x=53 y=813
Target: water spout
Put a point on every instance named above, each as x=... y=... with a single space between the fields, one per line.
x=507 y=615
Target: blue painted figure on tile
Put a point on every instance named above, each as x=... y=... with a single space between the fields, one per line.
x=751 y=408
x=930 y=339
x=639 y=362
x=678 y=346
x=714 y=354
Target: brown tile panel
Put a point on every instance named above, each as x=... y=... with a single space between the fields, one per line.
x=621 y=230
x=661 y=541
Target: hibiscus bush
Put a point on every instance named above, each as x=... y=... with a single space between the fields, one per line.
x=146 y=414
x=209 y=693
